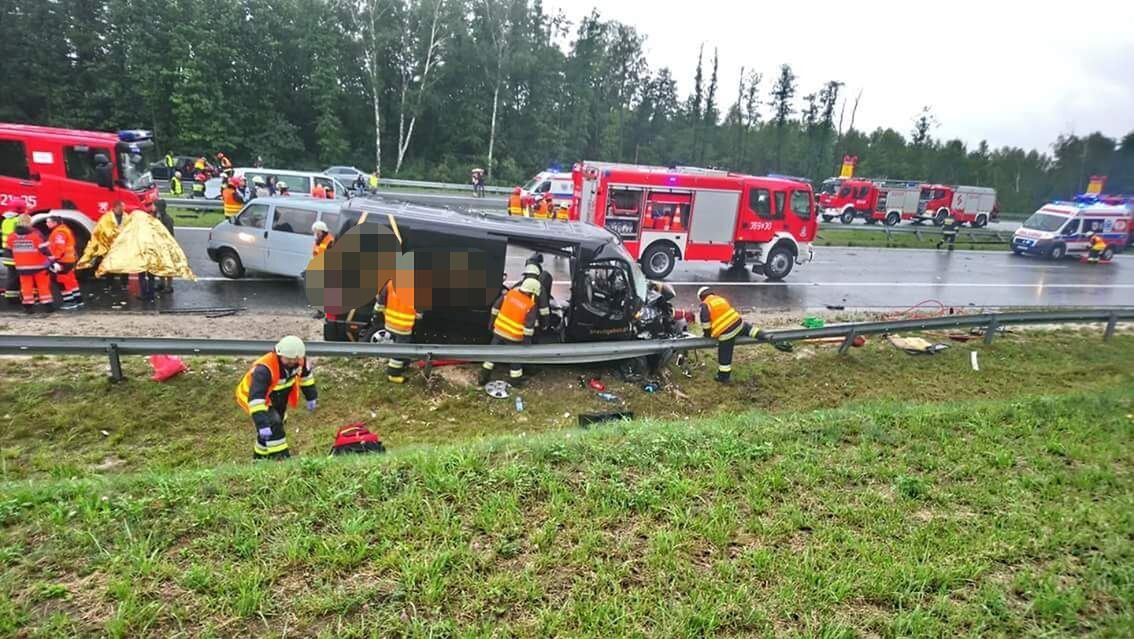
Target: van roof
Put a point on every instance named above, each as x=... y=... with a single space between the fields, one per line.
x=68 y=135
x=252 y=169
x=301 y=202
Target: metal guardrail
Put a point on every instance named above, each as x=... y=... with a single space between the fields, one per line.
x=978 y=236
x=448 y=186
x=115 y=347
x=194 y=203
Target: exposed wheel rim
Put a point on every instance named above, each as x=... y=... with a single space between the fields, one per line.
x=1057 y=252
x=892 y=219
x=779 y=263
x=1108 y=253
x=660 y=261
x=847 y=217
x=229 y=266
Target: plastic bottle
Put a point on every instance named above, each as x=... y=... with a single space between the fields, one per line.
x=519 y=404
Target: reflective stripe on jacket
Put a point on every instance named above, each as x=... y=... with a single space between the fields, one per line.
x=724 y=321
x=271 y=361
x=397 y=310
x=514 y=316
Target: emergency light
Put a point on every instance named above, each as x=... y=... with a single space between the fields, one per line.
x=134 y=135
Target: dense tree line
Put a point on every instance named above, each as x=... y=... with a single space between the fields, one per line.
x=451 y=84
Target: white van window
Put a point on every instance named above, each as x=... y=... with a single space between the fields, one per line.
x=253 y=216
x=1072 y=228
x=331 y=219
x=293 y=220
x=296 y=183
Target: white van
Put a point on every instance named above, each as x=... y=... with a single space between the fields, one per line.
x=559 y=185
x=1064 y=228
x=299 y=183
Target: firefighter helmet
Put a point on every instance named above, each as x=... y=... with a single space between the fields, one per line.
x=530 y=286
x=703 y=291
x=17 y=204
x=281 y=185
x=291 y=346
x=517 y=191
x=532 y=269
x=319 y=226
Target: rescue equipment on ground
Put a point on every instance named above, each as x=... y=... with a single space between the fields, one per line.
x=166 y=367
x=355 y=438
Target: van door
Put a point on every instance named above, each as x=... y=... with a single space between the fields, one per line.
x=250 y=235
x=290 y=239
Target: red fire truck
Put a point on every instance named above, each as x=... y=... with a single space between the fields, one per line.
x=975 y=205
x=665 y=214
x=80 y=174
x=883 y=201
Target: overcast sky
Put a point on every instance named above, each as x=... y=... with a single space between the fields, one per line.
x=1013 y=73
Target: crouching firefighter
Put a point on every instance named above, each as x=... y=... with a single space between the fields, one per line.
x=513 y=322
x=272 y=384
x=399 y=316
x=724 y=325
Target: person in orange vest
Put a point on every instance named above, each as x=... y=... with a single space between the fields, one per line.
x=323 y=238
x=271 y=385
x=723 y=324
x=545 y=208
x=319 y=191
x=399 y=317
x=564 y=212
x=32 y=257
x=61 y=242
x=1097 y=246
x=516 y=202
x=232 y=197
x=225 y=164
x=513 y=321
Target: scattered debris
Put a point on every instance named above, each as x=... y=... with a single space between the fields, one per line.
x=596 y=384
x=916 y=345
x=497 y=389
x=597 y=418
x=651 y=387
x=166 y=367
x=608 y=397
x=973 y=360
x=812 y=321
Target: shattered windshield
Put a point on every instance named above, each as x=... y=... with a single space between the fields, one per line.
x=134 y=161
x=636 y=274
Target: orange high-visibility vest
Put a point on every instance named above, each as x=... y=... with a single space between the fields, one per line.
x=27 y=251
x=322 y=245
x=542 y=210
x=272 y=362
x=231 y=204
x=722 y=316
x=61 y=241
x=515 y=205
x=399 y=312
x=513 y=315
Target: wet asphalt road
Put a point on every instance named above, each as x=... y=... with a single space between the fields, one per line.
x=852 y=278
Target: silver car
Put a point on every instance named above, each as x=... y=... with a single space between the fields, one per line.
x=273 y=235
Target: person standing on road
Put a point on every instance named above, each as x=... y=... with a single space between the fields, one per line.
x=374 y=181
x=175 y=187
x=399 y=317
x=232 y=197
x=724 y=325
x=32 y=256
x=949 y=234
x=16 y=207
x=225 y=164
x=61 y=242
x=271 y=385
x=169 y=162
x=199 y=185
x=281 y=189
x=513 y=321
x=167 y=222
x=323 y=238
x=516 y=202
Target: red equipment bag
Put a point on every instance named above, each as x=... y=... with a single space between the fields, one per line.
x=166 y=366
x=355 y=438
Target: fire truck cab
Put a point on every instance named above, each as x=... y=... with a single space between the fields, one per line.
x=665 y=214
x=975 y=205
x=78 y=175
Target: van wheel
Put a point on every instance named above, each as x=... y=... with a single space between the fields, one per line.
x=981 y=221
x=779 y=263
x=847 y=217
x=1108 y=253
x=230 y=265
x=939 y=218
x=1057 y=252
x=892 y=218
x=658 y=261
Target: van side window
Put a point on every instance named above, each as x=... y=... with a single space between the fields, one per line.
x=801 y=204
x=760 y=203
x=331 y=219
x=1071 y=228
x=779 y=214
x=544 y=188
x=289 y=220
x=253 y=216
x=14 y=159
x=79 y=162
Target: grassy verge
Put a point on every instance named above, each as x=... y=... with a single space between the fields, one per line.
x=971 y=518
x=193 y=421
x=929 y=240
x=187 y=217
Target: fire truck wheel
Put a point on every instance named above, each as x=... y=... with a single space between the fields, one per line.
x=981 y=221
x=658 y=261
x=847 y=217
x=892 y=218
x=779 y=263
x=1057 y=252
x=940 y=217
x=230 y=265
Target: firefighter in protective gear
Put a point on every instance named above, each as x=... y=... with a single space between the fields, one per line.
x=1096 y=247
x=16 y=207
x=323 y=238
x=61 y=242
x=199 y=185
x=545 y=208
x=232 y=197
x=200 y=166
x=516 y=202
x=281 y=188
x=723 y=324
x=398 y=316
x=319 y=191
x=563 y=214
x=225 y=164
x=275 y=382
x=533 y=269
x=27 y=248
x=175 y=187
x=513 y=321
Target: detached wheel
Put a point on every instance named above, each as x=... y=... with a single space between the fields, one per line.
x=939 y=218
x=230 y=265
x=1057 y=252
x=892 y=218
x=779 y=263
x=847 y=217
x=658 y=261
x=376 y=335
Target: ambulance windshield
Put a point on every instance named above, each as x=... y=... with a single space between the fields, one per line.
x=1045 y=222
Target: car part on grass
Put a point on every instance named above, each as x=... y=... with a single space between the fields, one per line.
x=598 y=418
x=497 y=389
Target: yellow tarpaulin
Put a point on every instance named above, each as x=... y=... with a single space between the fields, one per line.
x=101 y=238
x=143 y=245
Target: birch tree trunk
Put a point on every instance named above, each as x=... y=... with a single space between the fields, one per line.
x=492 y=127
x=405 y=134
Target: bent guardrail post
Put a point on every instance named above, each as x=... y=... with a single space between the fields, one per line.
x=990 y=331
x=847 y=343
x=115 y=364
x=1111 y=324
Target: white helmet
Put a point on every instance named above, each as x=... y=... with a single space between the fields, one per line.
x=530 y=286
x=702 y=292
x=257 y=180
x=177 y=174
x=532 y=269
x=319 y=226
x=281 y=185
x=291 y=346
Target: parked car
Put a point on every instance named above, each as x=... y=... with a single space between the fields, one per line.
x=159 y=171
x=273 y=235
x=346 y=174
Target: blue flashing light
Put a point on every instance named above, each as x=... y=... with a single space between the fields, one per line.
x=134 y=135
